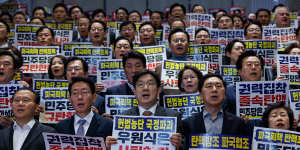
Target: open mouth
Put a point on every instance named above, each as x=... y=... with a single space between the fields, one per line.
x=253 y=74
x=146 y=96
x=20 y=110
x=1 y=73
x=80 y=105
x=280 y=125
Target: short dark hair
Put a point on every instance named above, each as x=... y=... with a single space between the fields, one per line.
x=6 y=25
x=177 y=4
x=5 y=52
x=196 y=6
x=6 y=13
x=157 y=12
x=184 y=26
x=178 y=30
x=135 y=11
x=180 y=75
x=39 y=8
x=97 y=11
x=239 y=63
x=16 y=54
x=147 y=23
x=230 y=45
x=125 y=23
x=261 y=10
x=73 y=7
x=221 y=10
x=266 y=114
x=43 y=22
x=122 y=8
x=88 y=81
x=135 y=55
x=98 y=21
x=276 y=6
x=64 y=60
x=207 y=76
x=19 y=13
x=60 y=5
x=146 y=72
x=290 y=47
x=201 y=29
x=73 y=58
x=36 y=96
x=225 y=16
x=122 y=38
x=251 y=23
x=45 y=27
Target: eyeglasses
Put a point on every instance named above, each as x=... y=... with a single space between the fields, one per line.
x=83 y=92
x=127 y=29
x=146 y=30
x=254 y=30
x=225 y=20
x=202 y=36
x=97 y=29
x=255 y=64
x=43 y=35
x=179 y=40
x=76 y=68
x=283 y=14
x=149 y=83
x=24 y=100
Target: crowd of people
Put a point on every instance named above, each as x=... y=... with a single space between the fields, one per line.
x=218 y=116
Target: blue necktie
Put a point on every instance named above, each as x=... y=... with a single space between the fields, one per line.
x=80 y=130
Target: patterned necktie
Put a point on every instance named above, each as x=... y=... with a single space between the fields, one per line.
x=147 y=113
x=80 y=130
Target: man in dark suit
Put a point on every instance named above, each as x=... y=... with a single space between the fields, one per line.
x=85 y=122
x=147 y=88
x=213 y=119
x=25 y=133
x=77 y=67
x=133 y=63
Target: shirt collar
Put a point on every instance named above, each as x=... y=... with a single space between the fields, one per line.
x=88 y=118
x=205 y=113
x=27 y=126
x=152 y=109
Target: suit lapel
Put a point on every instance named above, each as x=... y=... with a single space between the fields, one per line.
x=128 y=89
x=226 y=124
x=71 y=125
x=10 y=138
x=159 y=111
x=93 y=127
x=200 y=121
x=33 y=134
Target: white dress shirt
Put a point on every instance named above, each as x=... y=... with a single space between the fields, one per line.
x=21 y=134
x=88 y=118
x=152 y=109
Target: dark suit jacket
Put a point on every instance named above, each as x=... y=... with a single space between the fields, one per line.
x=160 y=111
x=34 y=140
x=100 y=104
x=231 y=125
x=99 y=126
x=122 y=89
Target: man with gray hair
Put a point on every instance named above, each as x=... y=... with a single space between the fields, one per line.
x=282 y=17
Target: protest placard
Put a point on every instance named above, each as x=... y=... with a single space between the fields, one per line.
x=56 y=104
x=91 y=55
x=206 y=52
x=63 y=32
x=283 y=36
x=154 y=55
x=267 y=49
x=56 y=141
x=199 y=20
x=117 y=104
x=294 y=98
x=219 y=142
x=150 y=132
x=36 y=58
x=230 y=74
x=49 y=83
x=66 y=48
x=288 y=67
x=6 y=93
x=253 y=97
x=25 y=34
x=171 y=68
x=110 y=73
x=186 y=104
x=269 y=139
